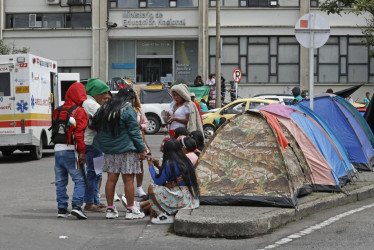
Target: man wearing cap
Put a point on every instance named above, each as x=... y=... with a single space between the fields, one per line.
x=197 y=105
x=96 y=90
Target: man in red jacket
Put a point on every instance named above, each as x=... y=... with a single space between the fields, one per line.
x=69 y=141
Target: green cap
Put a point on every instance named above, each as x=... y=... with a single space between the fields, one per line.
x=95 y=86
x=231 y=81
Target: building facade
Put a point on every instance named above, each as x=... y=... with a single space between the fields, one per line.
x=169 y=40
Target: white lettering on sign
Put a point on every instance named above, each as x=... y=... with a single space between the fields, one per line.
x=148 y=18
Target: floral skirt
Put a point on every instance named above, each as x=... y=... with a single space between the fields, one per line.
x=173 y=199
x=125 y=163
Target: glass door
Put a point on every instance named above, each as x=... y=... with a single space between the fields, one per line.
x=152 y=69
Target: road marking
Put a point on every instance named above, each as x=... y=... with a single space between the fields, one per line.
x=316 y=227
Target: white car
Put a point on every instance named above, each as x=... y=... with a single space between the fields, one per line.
x=282 y=98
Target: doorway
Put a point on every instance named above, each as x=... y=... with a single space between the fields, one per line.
x=152 y=69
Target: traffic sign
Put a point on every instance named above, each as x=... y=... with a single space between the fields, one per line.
x=312 y=31
x=309 y=25
x=237 y=75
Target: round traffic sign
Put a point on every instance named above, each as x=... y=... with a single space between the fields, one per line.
x=237 y=75
x=315 y=25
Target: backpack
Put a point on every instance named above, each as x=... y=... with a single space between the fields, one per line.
x=60 y=126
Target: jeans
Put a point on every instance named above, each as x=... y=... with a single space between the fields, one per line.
x=93 y=179
x=65 y=164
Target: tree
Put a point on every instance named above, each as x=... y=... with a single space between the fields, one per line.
x=11 y=49
x=357 y=7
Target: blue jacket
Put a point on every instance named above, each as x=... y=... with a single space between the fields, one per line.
x=166 y=174
x=127 y=136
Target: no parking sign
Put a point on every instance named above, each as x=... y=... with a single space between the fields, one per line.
x=237 y=75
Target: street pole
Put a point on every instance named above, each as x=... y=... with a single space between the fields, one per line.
x=311 y=65
x=218 y=54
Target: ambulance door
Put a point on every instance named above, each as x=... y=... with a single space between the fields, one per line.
x=64 y=81
x=7 y=100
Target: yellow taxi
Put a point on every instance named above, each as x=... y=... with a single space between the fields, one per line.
x=230 y=110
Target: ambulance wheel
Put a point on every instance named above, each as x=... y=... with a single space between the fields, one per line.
x=37 y=151
x=7 y=152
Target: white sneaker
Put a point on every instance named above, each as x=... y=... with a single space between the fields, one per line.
x=124 y=201
x=116 y=197
x=139 y=192
x=163 y=218
x=134 y=214
x=111 y=213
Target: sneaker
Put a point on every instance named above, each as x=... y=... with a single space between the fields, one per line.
x=62 y=213
x=124 y=201
x=111 y=213
x=137 y=203
x=94 y=209
x=77 y=212
x=134 y=214
x=163 y=218
x=116 y=197
x=139 y=192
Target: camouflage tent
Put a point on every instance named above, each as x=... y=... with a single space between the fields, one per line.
x=244 y=164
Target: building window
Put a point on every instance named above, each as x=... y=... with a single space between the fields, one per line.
x=113 y=4
x=261 y=59
x=134 y=4
x=49 y=21
x=344 y=60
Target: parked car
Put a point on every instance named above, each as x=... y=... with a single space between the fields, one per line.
x=282 y=98
x=230 y=110
x=154 y=101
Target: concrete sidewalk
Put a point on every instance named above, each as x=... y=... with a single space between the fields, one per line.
x=245 y=222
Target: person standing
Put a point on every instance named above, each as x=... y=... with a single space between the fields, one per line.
x=96 y=91
x=197 y=105
x=198 y=82
x=212 y=83
x=118 y=136
x=223 y=88
x=367 y=99
x=183 y=112
x=66 y=162
x=233 y=90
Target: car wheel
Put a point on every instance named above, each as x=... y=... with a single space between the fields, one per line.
x=154 y=124
x=37 y=151
x=208 y=130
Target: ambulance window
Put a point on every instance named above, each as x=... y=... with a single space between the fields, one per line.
x=5 y=84
x=64 y=88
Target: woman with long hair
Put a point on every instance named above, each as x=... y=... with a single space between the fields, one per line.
x=175 y=186
x=118 y=136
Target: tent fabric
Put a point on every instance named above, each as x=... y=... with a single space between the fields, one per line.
x=356 y=114
x=339 y=121
x=282 y=140
x=321 y=139
x=325 y=145
x=337 y=142
x=243 y=164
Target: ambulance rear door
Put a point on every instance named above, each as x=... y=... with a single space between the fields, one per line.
x=64 y=81
x=7 y=100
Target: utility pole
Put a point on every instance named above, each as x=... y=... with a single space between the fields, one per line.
x=218 y=54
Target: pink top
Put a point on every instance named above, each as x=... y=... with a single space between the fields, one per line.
x=193 y=158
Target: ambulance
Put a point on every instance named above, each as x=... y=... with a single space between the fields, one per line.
x=30 y=89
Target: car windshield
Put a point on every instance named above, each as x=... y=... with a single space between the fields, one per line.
x=257 y=105
x=236 y=108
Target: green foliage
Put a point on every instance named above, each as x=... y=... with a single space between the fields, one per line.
x=356 y=7
x=6 y=49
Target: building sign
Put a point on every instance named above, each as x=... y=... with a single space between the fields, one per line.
x=183 y=69
x=150 y=18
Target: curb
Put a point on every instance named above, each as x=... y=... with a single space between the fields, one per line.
x=238 y=227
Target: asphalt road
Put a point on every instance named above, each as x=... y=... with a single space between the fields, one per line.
x=28 y=219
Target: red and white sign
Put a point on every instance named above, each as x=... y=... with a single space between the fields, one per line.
x=237 y=75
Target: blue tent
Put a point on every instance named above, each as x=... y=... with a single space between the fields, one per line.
x=326 y=141
x=347 y=127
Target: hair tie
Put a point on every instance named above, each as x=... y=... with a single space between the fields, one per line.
x=182 y=140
